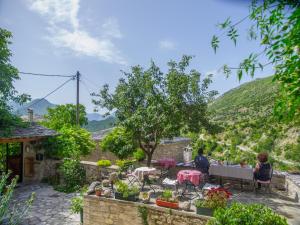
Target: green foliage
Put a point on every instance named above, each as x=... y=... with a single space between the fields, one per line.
x=151 y=105
x=104 y=163
x=73 y=175
x=76 y=204
x=143 y=213
x=126 y=190
x=167 y=194
x=253 y=214
x=9 y=213
x=72 y=142
x=8 y=75
x=139 y=155
x=120 y=142
x=64 y=115
x=124 y=164
x=277 y=24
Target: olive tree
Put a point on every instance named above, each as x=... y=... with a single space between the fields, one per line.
x=151 y=105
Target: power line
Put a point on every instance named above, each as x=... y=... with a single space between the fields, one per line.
x=46 y=75
x=60 y=86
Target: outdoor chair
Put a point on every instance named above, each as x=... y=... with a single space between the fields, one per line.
x=170 y=183
x=266 y=184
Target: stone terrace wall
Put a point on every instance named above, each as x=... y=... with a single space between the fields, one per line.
x=92 y=171
x=168 y=150
x=105 y=211
x=293 y=187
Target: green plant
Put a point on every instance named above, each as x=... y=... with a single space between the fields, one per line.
x=124 y=164
x=73 y=175
x=139 y=155
x=98 y=188
x=239 y=213
x=126 y=190
x=120 y=142
x=76 y=204
x=143 y=213
x=11 y=213
x=104 y=163
x=216 y=198
x=167 y=196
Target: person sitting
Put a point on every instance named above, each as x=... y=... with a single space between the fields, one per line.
x=262 y=169
x=201 y=162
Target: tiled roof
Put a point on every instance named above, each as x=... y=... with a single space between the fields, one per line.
x=33 y=130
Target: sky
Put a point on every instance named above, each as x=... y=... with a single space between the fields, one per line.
x=99 y=38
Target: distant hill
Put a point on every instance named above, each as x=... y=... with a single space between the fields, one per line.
x=107 y=123
x=245 y=115
x=39 y=107
x=94 y=117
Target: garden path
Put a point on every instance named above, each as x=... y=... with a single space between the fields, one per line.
x=49 y=207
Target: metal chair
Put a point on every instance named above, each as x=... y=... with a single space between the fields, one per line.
x=266 y=184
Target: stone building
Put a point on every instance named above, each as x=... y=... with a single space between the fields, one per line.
x=24 y=155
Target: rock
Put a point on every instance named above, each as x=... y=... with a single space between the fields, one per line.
x=105 y=183
x=107 y=193
x=92 y=186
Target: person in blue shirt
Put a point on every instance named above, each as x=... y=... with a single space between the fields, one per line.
x=201 y=162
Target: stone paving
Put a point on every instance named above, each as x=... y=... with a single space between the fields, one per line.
x=49 y=207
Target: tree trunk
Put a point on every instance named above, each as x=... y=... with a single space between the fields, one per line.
x=149 y=157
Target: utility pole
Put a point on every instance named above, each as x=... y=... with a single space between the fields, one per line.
x=77 y=97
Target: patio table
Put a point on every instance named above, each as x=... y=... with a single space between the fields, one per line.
x=167 y=163
x=191 y=178
x=231 y=171
x=142 y=175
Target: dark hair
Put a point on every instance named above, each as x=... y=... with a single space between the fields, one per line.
x=200 y=151
x=262 y=157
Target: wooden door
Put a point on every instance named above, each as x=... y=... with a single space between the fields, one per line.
x=15 y=163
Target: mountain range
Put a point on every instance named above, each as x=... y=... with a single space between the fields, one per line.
x=40 y=107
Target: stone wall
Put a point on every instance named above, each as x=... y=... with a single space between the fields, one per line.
x=293 y=188
x=167 y=150
x=41 y=168
x=104 y=211
x=92 y=171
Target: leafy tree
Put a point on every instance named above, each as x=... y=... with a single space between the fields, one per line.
x=64 y=115
x=72 y=141
x=8 y=74
x=119 y=142
x=151 y=105
x=277 y=24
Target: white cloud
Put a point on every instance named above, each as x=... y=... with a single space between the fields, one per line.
x=167 y=44
x=111 y=28
x=65 y=30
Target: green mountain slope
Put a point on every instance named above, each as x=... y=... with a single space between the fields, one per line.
x=248 y=126
x=39 y=107
x=94 y=125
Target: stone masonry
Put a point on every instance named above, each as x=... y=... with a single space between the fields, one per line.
x=105 y=211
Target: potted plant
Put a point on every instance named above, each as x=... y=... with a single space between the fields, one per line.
x=215 y=198
x=126 y=192
x=77 y=206
x=166 y=200
x=98 y=190
x=144 y=197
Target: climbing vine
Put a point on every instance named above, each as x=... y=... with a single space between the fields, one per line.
x=143 y=213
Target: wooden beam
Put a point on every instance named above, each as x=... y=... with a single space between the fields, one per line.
x=11 y=140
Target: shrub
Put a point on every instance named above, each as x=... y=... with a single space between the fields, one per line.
x=11 y=213
x=216 y=197
x=76 y=204
x=126 y=190
x=73 y=175
x=139 y=155
x=104 y=163
x=124 y=164
x=239 y=213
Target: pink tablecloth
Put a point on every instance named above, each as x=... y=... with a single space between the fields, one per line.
x=167 y=163
x=193 y=176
